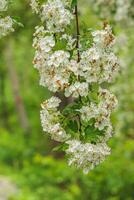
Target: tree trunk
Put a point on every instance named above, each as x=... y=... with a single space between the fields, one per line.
x=15 y=86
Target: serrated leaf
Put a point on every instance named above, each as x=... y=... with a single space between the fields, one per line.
x=92 y=134
x=71 y=109
x=61 y=147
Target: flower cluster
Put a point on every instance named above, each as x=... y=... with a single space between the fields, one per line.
x=50 y=118
x=87 y=155
x=100 y=112
x=118 y=10
x=99 y=63
x=35 y=6
x=66 y=68
x=6 y=23
x=55 y=14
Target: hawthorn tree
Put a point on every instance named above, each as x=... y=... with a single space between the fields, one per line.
x=79 y=69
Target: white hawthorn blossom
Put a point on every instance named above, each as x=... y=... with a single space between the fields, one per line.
x=63 y=71
x=99 y=63
x=3 y=5
x=124 y=11
x=55 y=14
x=101 y=112
x=77 y=89
x=54 y=73
x=35 y=6
x=119 y=10
x=104 y=38
x=69 y=40
x=51 y=104
x=6 y=23
x=46 y=43
x=6 y=26
x=50 y=118
x=86 y=156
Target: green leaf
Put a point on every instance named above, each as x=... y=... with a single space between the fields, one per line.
x=74 y=3
x=92 y=134
x=93 y=96
x=61 y=147
x=95 y=87
x=71 y=109
x=71 y=127
x=72 y=124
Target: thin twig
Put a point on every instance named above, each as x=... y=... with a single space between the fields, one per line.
x=78 y=55
x=78 y=33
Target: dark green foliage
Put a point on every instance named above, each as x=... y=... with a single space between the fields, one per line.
x=74 y=3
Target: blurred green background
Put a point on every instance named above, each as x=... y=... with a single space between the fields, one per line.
x=29 y=169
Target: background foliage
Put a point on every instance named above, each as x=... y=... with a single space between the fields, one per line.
x=26 y=155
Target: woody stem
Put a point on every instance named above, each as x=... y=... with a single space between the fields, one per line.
x=78 y=55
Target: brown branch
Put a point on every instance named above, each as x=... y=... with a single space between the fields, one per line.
x=78 y=33
x=78 y=57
